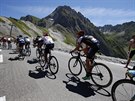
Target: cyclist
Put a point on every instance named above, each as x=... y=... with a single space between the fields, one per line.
x=49 y=44
x=9 y=41
x=21 y=43
x=27 y=42
x=4 y=40
x=131 y=50
x=91 y=47
x=38 y=42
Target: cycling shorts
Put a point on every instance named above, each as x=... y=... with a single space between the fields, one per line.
x=49 y=47
x=92 y=51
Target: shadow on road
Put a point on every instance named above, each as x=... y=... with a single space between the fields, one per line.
x=32 y=61
x=15 y=58
x=13 y=52
x=83 y=88
x=38 y=73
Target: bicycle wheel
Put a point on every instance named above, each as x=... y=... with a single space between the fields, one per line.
x=101 y=75
x=75 y=66
x=37 y=53
x=22 y=54
x=123 y=90
x=42 y=61
x=28 y=52
x=53 y=65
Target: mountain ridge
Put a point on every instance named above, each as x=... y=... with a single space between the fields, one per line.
x=67 y=22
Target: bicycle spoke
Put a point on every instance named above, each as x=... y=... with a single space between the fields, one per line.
x=101 y=75
x=123 y=90
x=53 y=65
x=75 y=66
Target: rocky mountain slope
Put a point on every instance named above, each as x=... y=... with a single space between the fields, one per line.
x=62 y=25
x=119 y=35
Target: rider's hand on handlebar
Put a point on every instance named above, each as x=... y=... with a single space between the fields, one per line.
x=71 y=51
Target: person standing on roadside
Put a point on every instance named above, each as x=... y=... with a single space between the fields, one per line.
x=131 y=50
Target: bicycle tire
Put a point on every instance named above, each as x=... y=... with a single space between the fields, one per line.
x=42 y=61
x=37 y=53
x=75 y=66
x=100 y=73
x=121 y=88
x=28 y=51
x=22 y=54
x=53 y=65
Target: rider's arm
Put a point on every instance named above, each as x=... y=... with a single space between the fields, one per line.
x=130 y=44
x=77 y=47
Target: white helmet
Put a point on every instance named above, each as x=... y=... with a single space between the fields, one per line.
x=90 y=36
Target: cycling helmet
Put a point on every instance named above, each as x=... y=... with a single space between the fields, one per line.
x=45 y=33
x=20 y=35
x=90 y=36
x=80 y=33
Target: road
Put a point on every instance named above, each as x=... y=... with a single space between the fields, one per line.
x=19 y=81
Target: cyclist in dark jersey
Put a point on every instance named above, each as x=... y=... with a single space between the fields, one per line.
x=92 y=44
x=21 y=43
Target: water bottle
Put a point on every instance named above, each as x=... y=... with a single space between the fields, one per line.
x=131 y=73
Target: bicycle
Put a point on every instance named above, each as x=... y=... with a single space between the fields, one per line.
x=124 y=89
x=22 y=53
x=39 y=53
x=52 y=63
x=101 y=75
x=28 y=51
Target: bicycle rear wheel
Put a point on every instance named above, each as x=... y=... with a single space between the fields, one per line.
x=123 y=90
x=22 y=54
x=74 y=66
x=53 y=65
x=28 y=51
x=101 y=75
x=42 y=61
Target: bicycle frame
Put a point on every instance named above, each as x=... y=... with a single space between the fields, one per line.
x=82 y=62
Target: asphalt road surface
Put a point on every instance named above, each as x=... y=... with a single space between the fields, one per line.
x=20 y=81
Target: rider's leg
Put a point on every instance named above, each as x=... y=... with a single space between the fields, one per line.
x=46 y=60
x=130 y=57
x=89 y=64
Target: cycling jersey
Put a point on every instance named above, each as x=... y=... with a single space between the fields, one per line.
x=47 y=40
x=88 y=40
x=27 y=40
x=21 y=40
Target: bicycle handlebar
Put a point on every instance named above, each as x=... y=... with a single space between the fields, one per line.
x=78 y=53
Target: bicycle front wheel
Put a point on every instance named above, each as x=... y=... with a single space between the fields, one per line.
x=123 y=90
x=101 y=75
x=53 y=65
x=37 y=53
x=74 y=66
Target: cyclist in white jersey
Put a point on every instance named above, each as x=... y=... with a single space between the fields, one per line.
x=49 y=44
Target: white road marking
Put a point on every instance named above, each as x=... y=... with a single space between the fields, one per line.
x=3 y=98
x=1 y=57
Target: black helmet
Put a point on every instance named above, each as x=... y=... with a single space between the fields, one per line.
x=20 y=35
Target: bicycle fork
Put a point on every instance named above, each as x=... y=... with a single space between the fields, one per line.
x=76 y=62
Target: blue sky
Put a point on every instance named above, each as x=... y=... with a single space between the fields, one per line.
x=99 y=12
